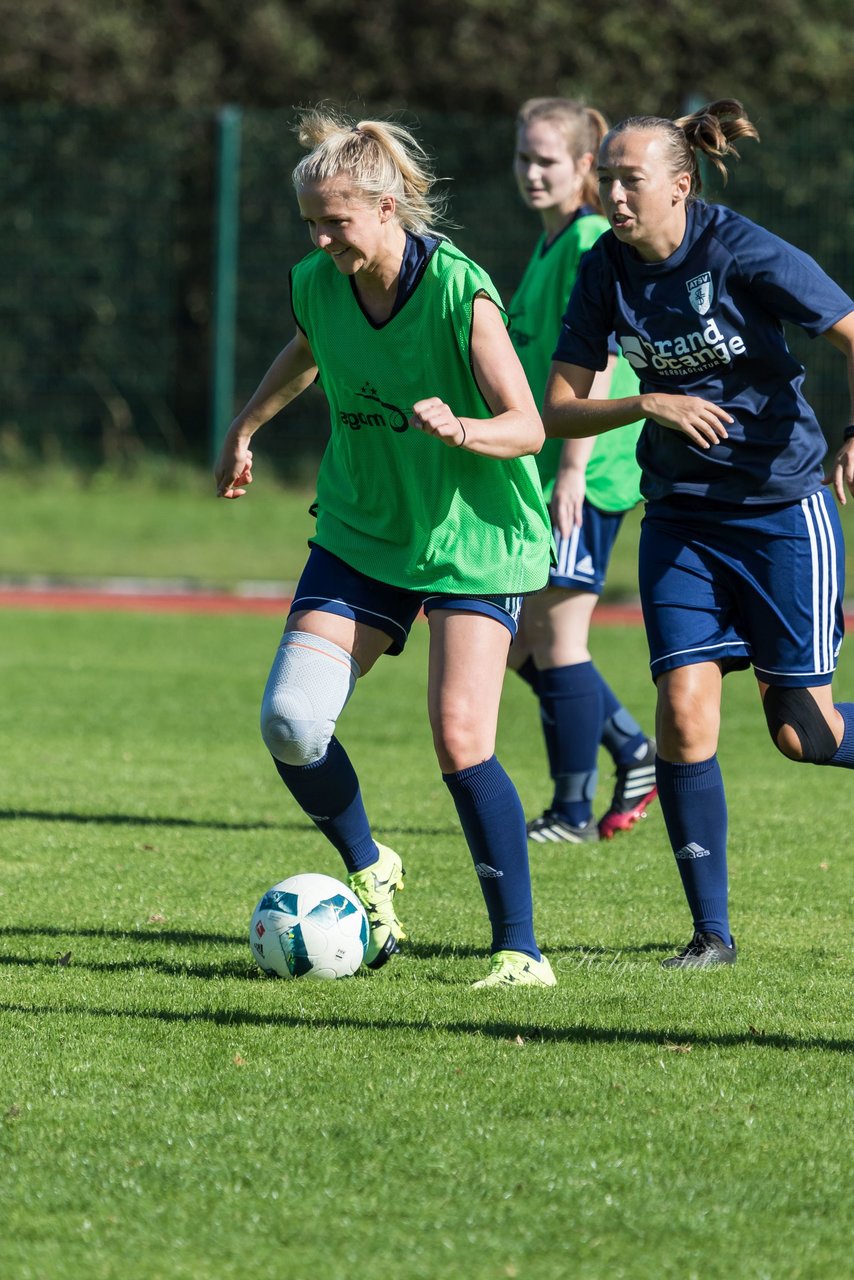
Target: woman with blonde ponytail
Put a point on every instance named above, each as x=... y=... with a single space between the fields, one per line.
x=591 y=485
x=427 y=497
x=741 y=553
x=379 y=157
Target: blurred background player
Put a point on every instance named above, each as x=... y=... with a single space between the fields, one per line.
x=590 y=485
x=424 y=499
x=741 y=554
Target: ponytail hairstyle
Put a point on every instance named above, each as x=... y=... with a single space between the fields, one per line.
x=582 y=129
x=379 y=158
x=711 y=130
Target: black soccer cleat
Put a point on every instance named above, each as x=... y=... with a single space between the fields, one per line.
x=702 y=952
x=551 y=828
x=634 y=792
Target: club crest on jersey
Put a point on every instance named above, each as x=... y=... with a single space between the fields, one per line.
x=701 y=292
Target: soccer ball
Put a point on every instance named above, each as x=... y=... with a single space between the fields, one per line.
x=310 y=926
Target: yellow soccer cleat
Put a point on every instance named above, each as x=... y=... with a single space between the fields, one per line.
x=375 y=888
x=515 y=969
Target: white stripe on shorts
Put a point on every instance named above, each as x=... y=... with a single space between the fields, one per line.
x=824 y=591
x=568 y=552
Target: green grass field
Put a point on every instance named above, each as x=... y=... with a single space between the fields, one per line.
x=169 y=1114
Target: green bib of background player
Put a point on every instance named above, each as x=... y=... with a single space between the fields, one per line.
x=393 y=502
x=613 y=476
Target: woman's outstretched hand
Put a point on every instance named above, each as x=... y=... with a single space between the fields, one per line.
x=701 y=421
x=233 y=470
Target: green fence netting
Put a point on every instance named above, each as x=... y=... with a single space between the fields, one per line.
x=109 y=228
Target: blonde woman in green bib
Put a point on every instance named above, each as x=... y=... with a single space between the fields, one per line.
x=590 y=484
x=427 y=497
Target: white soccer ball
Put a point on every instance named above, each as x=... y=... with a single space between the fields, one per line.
x=309 y=926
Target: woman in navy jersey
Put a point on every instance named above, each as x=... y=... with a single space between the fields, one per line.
x=741 y=554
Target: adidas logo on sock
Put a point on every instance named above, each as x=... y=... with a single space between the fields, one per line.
x=690 y=851
x=486 y=872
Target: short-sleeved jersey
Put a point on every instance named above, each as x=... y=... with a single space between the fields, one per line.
x=392 y=501
x=708 y=321
x=535 y=313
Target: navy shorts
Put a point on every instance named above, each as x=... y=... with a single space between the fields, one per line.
x=331 y=586
x=745 y=586
x=582 y=558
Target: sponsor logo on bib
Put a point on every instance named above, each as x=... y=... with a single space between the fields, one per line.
x=396 y=418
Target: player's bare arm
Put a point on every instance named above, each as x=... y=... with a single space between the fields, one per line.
x=841 y=473
x=290 y=373
x=569 y=411
x=515 y=429
x=570 y=414
x=570 y=486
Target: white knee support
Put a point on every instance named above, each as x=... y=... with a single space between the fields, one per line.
x=309 y=686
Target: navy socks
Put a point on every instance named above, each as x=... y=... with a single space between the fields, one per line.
x=490 y=813
x=571 y=703
x=328 y=792
x=493 y=823
x=694 y=808
x=579 y=710
x=622 y=736
x=529 y=673
x=844 y=756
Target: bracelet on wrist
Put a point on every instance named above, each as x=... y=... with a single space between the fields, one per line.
x=848 y=433
x=462 y=428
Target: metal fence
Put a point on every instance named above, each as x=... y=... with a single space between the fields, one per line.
x=147 y=254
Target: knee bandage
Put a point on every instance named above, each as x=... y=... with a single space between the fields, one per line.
x=309 y=686
x=798 y=709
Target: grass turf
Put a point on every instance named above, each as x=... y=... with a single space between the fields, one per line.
x=168 y=1112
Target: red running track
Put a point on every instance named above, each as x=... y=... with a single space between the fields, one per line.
x=90 y=598
x=202 y=602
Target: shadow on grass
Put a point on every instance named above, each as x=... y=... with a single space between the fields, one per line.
x=190 y=938
x=174 y=969
x=183 y=937
x=151 y=964
x=590 y=956
x=140 y=820
x=584 y=954
x=582 y=1034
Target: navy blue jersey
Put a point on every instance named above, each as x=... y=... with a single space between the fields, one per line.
x=707 y=321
